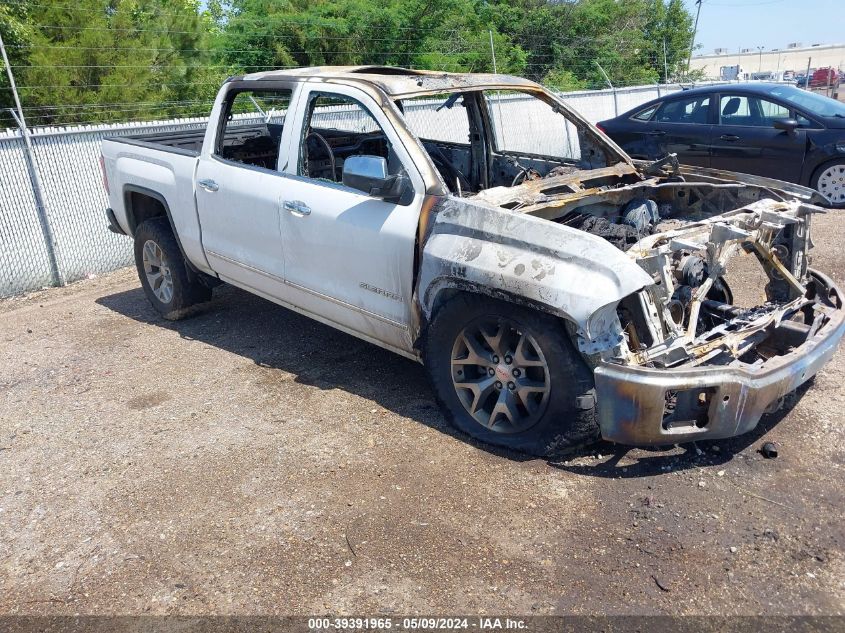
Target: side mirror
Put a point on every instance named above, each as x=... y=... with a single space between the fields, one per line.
x=369 y=174
x=788 y=125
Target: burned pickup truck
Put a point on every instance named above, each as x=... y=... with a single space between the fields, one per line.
x=555 y=290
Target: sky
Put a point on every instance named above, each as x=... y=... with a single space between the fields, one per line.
x=737 y=24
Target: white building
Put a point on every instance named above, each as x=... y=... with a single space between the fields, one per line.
x=751 y=61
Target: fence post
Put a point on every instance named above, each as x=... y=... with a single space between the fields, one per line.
x=34 y=178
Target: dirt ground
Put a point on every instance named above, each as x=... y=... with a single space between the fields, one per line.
x=250 y=461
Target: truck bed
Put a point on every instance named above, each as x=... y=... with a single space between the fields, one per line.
x=188 y=143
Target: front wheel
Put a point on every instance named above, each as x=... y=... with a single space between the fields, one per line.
x=163 y=273
x=509 y=376
x=829 y=180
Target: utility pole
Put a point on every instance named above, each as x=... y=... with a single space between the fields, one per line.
x=492 y=50
x=807 y=76
x=760 y=64
x=694 y=33
x=34 y=178
x=665 y=64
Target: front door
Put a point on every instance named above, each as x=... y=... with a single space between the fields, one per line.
x=349 y=256
x=746 y=141
x=239 y=189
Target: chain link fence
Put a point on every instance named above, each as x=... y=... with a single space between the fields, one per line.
x=67 y=160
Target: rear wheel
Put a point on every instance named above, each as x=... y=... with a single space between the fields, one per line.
x=829 y=180
x=509 y=376
x=163 y=273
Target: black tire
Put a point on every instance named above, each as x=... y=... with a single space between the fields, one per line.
x=814 y=181
x=187 y=293
x=567 y=420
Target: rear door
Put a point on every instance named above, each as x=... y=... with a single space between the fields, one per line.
x=746 y=141
x=682 y=126
x=240 y=187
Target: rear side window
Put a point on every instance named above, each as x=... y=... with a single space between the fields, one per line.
x=252 y=127
x=645 y=115
x=693 y=110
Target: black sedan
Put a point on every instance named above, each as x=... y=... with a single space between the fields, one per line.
x=765 y=129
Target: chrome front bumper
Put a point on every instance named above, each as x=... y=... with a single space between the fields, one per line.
x=632 y=400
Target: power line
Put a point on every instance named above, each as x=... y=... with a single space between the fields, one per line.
x=233 y=18
x=226 y=35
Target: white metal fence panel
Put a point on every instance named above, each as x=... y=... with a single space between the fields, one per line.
x=24 y=262
x=68 y=163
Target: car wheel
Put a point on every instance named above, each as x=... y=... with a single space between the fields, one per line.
x=509 y=376
x=829 y=180
x=163 y=273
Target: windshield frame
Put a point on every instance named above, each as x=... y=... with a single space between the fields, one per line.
x=614 y=152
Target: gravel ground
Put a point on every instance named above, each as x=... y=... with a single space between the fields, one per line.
x=250 y=461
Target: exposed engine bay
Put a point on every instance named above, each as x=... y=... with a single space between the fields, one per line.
x=685 y=235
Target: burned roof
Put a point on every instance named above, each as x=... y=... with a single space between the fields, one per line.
x=401 y=82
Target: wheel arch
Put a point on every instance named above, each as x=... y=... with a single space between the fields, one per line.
x=455 y=288
x=142 y=204
x=444 y=289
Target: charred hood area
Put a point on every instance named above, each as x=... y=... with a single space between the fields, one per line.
x=684 y=231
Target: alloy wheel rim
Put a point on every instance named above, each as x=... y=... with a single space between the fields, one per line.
x=157 y=271
x=832 y=183
x=500 y=375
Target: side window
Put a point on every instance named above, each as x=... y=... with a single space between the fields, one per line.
x=772 y=111
x=336 y=128
x=694 y=110
x=645 y=115
x=441 y=118
x=526 y=125
x=804 y=121
x=750 y=111
x=252 y=128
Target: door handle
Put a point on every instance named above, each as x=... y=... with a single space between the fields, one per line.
x=729 y=137
x=297 y=207
x=208 y=185
x=656 y=133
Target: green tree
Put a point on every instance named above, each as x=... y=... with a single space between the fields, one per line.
x=16 y=31
x=110 y=60
x=440 y=34
x=106 y=60
x=669 y=32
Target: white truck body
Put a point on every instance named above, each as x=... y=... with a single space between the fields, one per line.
x=268 y=212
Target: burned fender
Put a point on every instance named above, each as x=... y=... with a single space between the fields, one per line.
x=527 y=260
